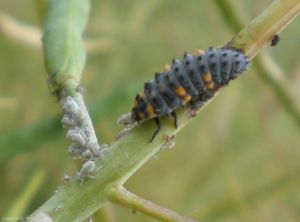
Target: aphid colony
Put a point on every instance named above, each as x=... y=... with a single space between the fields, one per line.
x=189 y=81
x=78 y=133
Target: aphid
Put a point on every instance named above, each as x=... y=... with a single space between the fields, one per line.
x=71 y=108
x=85 y=171
x=68 y=122
x=170 y=142
x=187 y=82
x=75 y=149
x=76 y=135
x=86 y=155
x=275 y=40
x=66 y=178
x=94 y=149
x=69 y=105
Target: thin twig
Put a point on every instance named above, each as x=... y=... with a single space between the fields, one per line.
x=127 y=199
x=31 y=36
x=259 y=32
x=262 y=64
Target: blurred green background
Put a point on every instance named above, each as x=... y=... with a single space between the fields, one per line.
x=237 y=161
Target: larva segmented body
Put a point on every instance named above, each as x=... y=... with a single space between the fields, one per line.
x=189 y=81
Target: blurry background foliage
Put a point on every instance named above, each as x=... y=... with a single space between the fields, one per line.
x=237 y=161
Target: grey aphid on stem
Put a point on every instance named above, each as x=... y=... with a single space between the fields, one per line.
x=76 y=136
x=86 y=155
x=71 y=108
x=170 y=142
x=66 y=178
x=75 y=149
x=85 y=171
x=69 y=105
x=126 y=119
x=79 y=152
x=68 y=122
x=94 y=148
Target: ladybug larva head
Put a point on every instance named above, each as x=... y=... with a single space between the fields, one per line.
x=142 y=108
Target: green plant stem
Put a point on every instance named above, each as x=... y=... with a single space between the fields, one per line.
x=261 y=30
x=34 y=183
x=105 y=214
x=265 y=71
x=124 y=157
x=88 y=125
x=129 y=153
x=123 y=197
x=64 y=53
x=64 y=56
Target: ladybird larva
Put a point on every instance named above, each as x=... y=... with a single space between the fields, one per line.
x=189 y=81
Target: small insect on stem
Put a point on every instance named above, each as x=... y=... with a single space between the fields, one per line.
x=73 y=115
x=66 y=178
x=85 y=171
x=275 y=40
x=94 y=149
x=68 y=122
x=76 y=150
x=76 y=136
x=187 y=82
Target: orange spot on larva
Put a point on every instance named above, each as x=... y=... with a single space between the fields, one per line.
x=187 y=98
x=209 y=85
x=207 y=79
x=198 y=52
x=150 y=111
x=166 y=68
x=184 y=96
x=180 y=91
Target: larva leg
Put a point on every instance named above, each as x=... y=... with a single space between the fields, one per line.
x=175 y=118
x=157 y=121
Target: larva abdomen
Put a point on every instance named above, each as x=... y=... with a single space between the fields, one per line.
x=193 y=79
